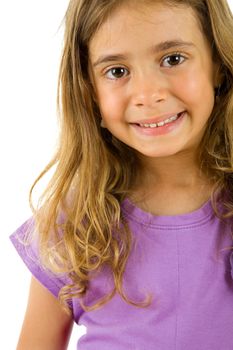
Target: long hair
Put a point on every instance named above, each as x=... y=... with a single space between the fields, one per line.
x=94 y=171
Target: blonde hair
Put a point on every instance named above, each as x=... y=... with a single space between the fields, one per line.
x=79 y=216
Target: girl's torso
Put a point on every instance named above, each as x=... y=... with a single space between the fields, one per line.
x=184 y=261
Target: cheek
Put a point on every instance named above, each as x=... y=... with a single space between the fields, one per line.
x=110 y=103
x=197 y=87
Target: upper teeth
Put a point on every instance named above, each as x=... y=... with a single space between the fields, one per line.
x=155 y=125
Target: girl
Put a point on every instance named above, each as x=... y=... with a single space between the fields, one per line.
x=133 y=235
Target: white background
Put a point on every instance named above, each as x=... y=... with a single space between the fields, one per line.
x=30 y=47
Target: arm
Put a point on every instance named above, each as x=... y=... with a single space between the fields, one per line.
x=46 y=325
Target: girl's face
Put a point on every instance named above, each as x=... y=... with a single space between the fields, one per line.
x=152 y=65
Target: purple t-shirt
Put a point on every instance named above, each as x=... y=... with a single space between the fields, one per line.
x=183 y=260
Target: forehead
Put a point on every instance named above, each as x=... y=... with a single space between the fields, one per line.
x=156 y=21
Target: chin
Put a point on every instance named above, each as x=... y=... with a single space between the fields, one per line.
x=159 y=154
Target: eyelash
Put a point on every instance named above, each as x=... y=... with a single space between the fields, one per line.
x=177 y=54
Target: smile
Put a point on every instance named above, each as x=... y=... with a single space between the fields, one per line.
x=162 y=123
x=161 y=128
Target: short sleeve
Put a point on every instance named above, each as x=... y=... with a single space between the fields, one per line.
x=29 y=253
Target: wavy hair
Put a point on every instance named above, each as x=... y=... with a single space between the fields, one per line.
x=79 y=216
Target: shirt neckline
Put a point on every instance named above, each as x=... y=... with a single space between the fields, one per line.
x=197 y=217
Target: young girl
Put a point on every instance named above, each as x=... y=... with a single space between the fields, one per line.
x=133 y=235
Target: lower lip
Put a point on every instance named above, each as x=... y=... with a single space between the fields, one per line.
x=160 y=130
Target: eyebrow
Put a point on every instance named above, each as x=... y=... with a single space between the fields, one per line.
x=163 y=46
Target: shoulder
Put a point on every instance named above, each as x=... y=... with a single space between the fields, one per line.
x=26 y=242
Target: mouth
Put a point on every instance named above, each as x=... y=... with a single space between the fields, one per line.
x=162 y=123
x=163 y=127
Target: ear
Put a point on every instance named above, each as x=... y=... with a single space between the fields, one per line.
x=218 y=74
x=102 y=124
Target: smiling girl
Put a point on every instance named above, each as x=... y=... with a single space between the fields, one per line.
x=134 y=233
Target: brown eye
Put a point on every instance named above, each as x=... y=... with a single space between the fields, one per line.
x=173 y=60
x=116 y=73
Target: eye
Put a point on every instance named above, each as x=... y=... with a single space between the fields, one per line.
x=116 y=73
x=173 y=60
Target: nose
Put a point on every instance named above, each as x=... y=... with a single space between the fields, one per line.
x=148 y=90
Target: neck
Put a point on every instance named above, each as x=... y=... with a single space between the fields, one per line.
x=181 y=170
x=171 y=185
x=179 y=176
